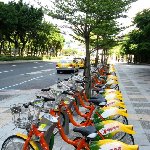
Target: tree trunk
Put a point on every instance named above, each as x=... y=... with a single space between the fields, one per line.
x=16 y=48
x=22 y=48
x=102 y=59
x=9 y=47
x=87 y=67
x=1 y=47
x=96 y=59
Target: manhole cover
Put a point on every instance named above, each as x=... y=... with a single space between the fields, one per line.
x=142 y=111
x=145 y=124
x=139 y=99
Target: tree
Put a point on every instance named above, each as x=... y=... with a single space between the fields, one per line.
x=105 y=38
x=84 y=16
x=138 y=40
x=19 y=22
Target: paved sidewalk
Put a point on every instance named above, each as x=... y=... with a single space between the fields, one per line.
x=135 y=85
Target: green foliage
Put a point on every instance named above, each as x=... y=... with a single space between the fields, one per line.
x=85 y=16
x=11 y=58
x=23 y=31
x=69 y=52
x=138 y=40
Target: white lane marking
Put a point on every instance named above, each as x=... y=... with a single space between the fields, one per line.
x=36 y=62
x=41 y=66
x=22 y=74
x=47 y=70
x=13 y=65
x=37 y=72
x=35 y=67
x=6 y=71
x=35 y=78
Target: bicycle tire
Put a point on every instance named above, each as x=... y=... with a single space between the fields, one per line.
x=121 y=119
x=125 y=138
x=15 y=142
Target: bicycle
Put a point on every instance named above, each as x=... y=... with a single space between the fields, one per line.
x=35 y=140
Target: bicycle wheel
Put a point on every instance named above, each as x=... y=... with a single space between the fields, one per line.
x=124 y=137
x=15 y=142
x=121 y=119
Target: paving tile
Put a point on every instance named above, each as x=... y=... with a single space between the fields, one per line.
x=139 y=99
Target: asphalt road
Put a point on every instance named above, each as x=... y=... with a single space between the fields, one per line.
x=26 y=76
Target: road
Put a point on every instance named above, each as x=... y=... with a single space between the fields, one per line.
x=27 y=76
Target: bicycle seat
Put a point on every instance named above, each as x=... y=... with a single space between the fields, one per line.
x=98 y=102
x=97 y=99
x=45 y=89
x=48 y=99
x=98 y=96
x=99 y=85
x=85 y=131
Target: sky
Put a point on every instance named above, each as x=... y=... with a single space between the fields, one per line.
x=135 y=8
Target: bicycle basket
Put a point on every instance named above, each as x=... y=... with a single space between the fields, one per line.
x=22 y=117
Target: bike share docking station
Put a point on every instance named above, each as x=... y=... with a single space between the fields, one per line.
x=69 y=101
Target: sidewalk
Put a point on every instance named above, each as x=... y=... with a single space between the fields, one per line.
x=135 y=85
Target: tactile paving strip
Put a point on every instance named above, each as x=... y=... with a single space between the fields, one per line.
x=132 y=90
x=142 y=111
x=141 y=104
x=133 y=93
x=139 y=99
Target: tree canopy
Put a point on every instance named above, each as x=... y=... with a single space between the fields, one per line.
x=84 y=16
x=138 y=41
x=23 y=31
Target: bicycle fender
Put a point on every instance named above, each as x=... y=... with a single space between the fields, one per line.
x=31 y=142
x=112 y=145
x=112 y=127
x=114 y=103
x=112 y=111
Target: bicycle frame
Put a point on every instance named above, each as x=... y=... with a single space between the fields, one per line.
x=28 y=139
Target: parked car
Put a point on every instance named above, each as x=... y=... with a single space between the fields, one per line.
x=80 y=62
x=67 y=65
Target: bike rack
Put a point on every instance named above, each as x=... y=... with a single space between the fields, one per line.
x=66 y=125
